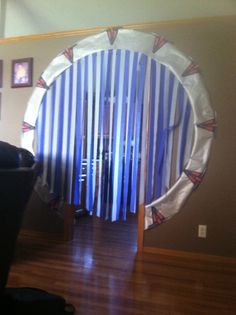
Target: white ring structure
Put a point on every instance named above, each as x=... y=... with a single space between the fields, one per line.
x=157 y=48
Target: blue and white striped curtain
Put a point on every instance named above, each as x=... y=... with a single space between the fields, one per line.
x=104 y=119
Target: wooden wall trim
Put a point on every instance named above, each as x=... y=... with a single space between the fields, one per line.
x=189 y=255
x=137 y=26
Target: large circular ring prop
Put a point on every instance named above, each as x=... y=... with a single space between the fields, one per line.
x=187 y=73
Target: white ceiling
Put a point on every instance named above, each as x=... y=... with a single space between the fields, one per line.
x=25 y=17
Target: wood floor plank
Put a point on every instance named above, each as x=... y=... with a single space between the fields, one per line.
x=100 y=272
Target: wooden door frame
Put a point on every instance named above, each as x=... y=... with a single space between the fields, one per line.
x=141 y=211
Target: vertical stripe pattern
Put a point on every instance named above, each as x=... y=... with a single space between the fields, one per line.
x=109 y=117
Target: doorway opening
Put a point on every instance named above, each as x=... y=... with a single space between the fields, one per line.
x=116 y=128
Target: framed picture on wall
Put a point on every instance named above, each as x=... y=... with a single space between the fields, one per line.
x=22 y=73
x=1 y=72
x=0 y=106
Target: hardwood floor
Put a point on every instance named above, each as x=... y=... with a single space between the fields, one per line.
x=100 y=273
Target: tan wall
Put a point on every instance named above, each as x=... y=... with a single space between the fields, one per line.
x=212 y=44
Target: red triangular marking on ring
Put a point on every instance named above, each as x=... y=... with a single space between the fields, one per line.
x=42 y=83
x=191 y=69
x=209 y=125
x=194 y=176
x=27 y=127
x=68 y=53
x=157 y=217
x=112 y=34
x=158 y=43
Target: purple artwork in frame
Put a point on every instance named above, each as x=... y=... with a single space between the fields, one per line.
x=22 y=72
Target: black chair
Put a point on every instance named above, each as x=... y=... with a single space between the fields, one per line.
x=18 y=173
